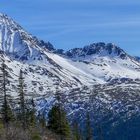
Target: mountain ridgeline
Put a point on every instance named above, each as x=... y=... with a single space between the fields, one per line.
x=99 y=78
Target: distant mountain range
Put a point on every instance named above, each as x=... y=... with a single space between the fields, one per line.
x=101 y=78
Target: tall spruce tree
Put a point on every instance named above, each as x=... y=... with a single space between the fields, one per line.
x=32 y=113
x=22 y=100
x=58 y=122
x=6 y=112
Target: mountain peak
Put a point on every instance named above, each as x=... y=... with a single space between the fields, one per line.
x=16 y=42
x=100 y=49
x=5 y=20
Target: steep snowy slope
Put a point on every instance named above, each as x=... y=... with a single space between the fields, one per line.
x=105 y=60
x=20 y=46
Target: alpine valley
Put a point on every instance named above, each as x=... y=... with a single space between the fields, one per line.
x=99 y=78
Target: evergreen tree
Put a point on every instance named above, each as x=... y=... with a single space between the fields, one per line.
x=22 y=100
x=58 y=122
x=89 y=133
x=7 y=114
x=6 y=111
x=30 y=117
x=32 y=114
x=57 y=117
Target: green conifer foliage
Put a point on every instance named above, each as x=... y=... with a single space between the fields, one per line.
x=6 y=112
x=58 y=122
x=22 y=100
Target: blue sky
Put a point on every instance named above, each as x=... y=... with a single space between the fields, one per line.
x=75 y=23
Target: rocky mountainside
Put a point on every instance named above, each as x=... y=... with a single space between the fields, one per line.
x=100 y=49
x=101 y=78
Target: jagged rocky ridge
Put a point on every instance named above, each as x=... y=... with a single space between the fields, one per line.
x=101 y=78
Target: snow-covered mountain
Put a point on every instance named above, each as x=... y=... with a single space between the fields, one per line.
x=96 y=63
x=100 y=49
x=103 y=71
